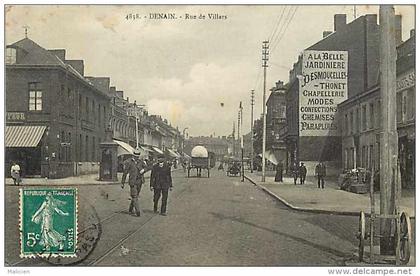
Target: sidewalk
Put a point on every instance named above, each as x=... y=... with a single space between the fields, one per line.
x=88 y=179
x=332 y=200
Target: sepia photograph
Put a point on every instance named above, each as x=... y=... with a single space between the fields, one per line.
x=210 y=135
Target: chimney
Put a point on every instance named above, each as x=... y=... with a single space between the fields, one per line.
x=120 y=94
x=326 y=33
x=398 y=31
x=78 y=65
x=60 y=53
x=101 y=83
x=339 y=22
x=412 y=32
x=112 y=90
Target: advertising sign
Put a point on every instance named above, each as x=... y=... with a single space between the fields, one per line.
x=322 y=86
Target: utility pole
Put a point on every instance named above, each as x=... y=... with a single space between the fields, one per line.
x=389 y=171
x=242 y=141
x=264 y=65
x=252 y=131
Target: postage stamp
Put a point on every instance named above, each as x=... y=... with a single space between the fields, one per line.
x=48 y=222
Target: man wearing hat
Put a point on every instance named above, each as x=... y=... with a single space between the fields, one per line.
x=160 y=183
x=135 y=168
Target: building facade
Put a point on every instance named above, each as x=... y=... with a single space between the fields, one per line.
x=276 y=120
x=361 y=121
x=55 y=117
x=360 y=39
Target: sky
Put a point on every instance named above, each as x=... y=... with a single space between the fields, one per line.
x=193 y=72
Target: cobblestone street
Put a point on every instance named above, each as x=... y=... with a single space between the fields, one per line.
x=211 y=221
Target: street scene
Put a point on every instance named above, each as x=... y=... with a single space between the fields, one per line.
x=186 y=136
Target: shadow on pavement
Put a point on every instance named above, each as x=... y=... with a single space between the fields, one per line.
x=300 y=240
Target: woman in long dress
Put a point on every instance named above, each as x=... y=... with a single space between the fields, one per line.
x=45 y=216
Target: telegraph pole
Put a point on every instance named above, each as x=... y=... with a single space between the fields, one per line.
x=264 y=65
x=252 y=131
x=242 y=141
x=389 y=171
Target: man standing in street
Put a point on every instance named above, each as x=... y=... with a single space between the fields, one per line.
x=135 y=168
x=321 y=171
x=302 y=173
x=160 y=183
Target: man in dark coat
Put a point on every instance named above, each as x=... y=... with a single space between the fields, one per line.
x=321 y=172
x=279 y=172
x=160 y=183
x=302 y=173
x=135 y=168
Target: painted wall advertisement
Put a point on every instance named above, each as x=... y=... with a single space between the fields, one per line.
x=322 y=86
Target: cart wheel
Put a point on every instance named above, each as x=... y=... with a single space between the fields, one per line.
x=405 y=238
x=361 y=235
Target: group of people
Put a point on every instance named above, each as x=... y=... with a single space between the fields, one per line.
x=160 y=181
x=301 y=171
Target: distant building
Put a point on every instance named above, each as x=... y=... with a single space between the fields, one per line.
x=218 y=145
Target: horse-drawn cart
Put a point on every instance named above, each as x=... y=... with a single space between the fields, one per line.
x=199 y=161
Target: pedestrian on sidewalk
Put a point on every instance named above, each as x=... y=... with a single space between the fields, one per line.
x=302 y=173
x=279 y=172
x=295 y=172
x=15 y=173
x=135 y=168
x=160 y=184
x=321 y=172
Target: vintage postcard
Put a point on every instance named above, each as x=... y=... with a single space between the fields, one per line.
x=210 y=135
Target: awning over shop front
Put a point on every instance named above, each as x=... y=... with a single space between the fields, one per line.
x=269 y=155
x=157 y=150
x=23 y=136
x=172 y=153
x=124 y=148
x=147 y=148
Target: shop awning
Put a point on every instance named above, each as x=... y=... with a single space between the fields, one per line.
x=147 y=148
x=270 y=157
x=172 y=153
x=23 y=136
x=158 y=150
x=124 y=148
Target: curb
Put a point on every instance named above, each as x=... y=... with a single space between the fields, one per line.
x=96 y=183
x=301 y=209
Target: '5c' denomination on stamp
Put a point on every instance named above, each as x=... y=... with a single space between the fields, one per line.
x=48 y=222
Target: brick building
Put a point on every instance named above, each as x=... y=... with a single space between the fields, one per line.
x=360 y=38
x=360 y=118
x=55 y=117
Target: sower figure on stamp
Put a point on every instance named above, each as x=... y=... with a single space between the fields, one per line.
x=321 y=172
x=135 y=168
x=160 y=183
x=302 y=173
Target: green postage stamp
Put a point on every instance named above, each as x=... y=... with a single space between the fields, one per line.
x=48 y=222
